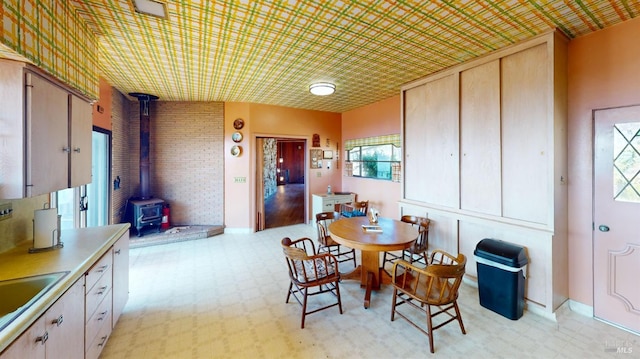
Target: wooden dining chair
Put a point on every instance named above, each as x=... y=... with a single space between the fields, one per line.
x=418 y=252
x=434 y=286
x=310 y=274
x=355 y=209
x=327 y=244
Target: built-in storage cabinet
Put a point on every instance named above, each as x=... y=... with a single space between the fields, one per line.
x=46 y=133
x=58 y=333
x=485 y=157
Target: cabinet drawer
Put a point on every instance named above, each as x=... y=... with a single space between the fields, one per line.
x=95 y=348
x=102 y=266
x=97 y=294
x=101 y=317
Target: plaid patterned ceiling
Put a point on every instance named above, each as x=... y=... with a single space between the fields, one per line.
x=271 y=51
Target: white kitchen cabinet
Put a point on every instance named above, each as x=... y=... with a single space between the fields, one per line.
x=46 y=127
x=327 y=202
x=58 y=333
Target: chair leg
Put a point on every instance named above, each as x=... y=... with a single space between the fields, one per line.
x=338 y=293
x=430 y=328
x=289 y=292
x=304 y=307
x=455 y=305
x=393 y=304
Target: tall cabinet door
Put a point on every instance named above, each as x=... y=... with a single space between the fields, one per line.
x=81 y=126
x=480 y=165
x=441 y=160
x=525 y=133
x=47 y=136
x=415 y=129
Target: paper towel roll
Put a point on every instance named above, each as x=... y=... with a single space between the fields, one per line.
x=45 y=228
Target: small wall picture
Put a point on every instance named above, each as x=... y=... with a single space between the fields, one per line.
x=316 y=140
x=315 y=158
x=327 y=155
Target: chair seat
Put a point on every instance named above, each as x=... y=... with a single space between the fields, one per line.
x=350 y=214
x=308 y=271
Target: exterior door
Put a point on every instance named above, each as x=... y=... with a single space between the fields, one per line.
x=616 y=238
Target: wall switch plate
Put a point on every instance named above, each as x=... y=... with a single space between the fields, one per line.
x=6 y=209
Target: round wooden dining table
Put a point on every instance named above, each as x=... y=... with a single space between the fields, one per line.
x=395 y=235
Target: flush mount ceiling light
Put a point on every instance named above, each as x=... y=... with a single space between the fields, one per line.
x=322 y=88
x=151 y=7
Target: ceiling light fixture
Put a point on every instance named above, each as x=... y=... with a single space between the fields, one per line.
x=151 y=7
x=322 y=88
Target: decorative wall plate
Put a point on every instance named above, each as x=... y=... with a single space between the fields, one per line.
x=238 y=123
x=236 y=151
x=237 y=136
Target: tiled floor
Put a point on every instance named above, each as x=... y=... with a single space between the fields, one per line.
x=223 y=297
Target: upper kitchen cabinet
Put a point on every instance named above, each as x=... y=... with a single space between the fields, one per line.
x=45 y=128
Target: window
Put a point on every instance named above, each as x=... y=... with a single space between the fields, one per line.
x=374 y=157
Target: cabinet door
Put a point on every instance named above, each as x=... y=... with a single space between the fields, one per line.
x=81 y=126
x=29 y=344
x=480 y=185
x=120 y=276
x=47 y=136
x=525 y=133
x=415 y=128
x=65 y=324
x=441 y=142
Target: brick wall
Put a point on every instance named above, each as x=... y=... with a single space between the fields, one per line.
x=187 y=159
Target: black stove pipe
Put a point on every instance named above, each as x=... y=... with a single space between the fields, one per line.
x=145 y=182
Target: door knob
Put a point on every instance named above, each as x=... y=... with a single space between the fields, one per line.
x=603 y=228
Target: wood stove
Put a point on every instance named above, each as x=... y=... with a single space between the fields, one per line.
x=144 y=211
x=145 y=214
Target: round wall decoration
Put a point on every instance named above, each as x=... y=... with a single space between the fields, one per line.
x=238 y=123
x=236 y=151
x=237 y=136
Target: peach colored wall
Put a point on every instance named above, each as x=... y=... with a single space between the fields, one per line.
x=380 y=118
x=266 y=120
x=603 y=72
x=103 y=120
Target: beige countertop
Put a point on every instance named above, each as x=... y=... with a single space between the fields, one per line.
x=82 y=248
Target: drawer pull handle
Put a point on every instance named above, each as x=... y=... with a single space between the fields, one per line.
x=102 y=290
x=58 y=322
x=102 y=269
x=43 y=339
x=117 y=251
x=104 y=339
x=103 y=315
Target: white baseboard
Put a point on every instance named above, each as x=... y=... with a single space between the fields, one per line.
x=238 y=230
x=580 y=308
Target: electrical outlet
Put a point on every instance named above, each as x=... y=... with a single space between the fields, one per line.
x=318 y=174
x=6 y=209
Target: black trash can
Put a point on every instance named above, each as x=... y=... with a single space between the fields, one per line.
x=501 y=274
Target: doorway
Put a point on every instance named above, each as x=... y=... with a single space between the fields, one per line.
x=616 y=197
x=281 y=182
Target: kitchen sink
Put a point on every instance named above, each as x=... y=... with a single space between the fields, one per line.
x=16 y=295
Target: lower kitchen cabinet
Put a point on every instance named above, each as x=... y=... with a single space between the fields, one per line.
x=120 y=276
x=58 y=333
x=98 y=305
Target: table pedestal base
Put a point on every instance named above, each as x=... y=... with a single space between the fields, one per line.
x=370 y=274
